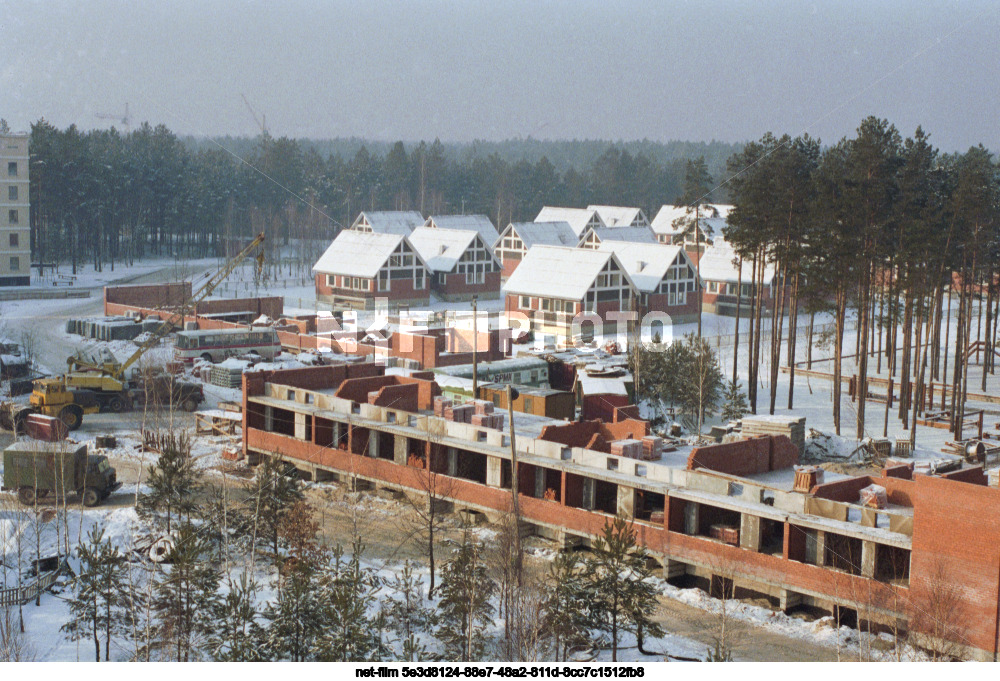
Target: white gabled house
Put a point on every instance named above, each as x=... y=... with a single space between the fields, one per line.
x=579 y=219
x=519 y=237
x=621 y=216
x=400 y=222
x=461 y=263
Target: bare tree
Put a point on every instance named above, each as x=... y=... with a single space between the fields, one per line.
x=14 y=643
x=938 y=616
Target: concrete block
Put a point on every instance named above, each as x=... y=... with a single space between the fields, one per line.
x=749 y=532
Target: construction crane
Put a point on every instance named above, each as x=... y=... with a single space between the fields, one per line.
x=125 y=119
x=108 y=375
x=261 y=122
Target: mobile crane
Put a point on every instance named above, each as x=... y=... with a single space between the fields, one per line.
x=90 y=385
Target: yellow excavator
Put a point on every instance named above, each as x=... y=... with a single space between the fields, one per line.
x=93 y=384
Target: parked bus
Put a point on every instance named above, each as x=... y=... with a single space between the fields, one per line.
x=215 y=346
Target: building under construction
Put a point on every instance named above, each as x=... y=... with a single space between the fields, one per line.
x=898 y=550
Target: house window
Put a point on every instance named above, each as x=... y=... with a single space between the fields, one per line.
x=12 y=193
x=525 y=302
x=12 y=168
x=418 y=280
x=15 y=264
x=13 y=240
x=383 y=283
x=12 y=216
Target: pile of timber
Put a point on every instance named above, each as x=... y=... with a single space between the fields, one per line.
x=792 y=427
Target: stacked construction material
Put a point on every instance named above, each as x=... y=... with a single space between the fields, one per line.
x=652 y=448
x=109 y=328
x=631 y=449
x=482 y=406
x=440 y=404
x=228 y=374
x=792 y=427
x=725 y=533
x=462 y=413
x=807 y=477
x=494 y=421
x=656 y=517
x=874 y=496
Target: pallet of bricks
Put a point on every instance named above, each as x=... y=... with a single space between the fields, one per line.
x=648 y=448
x=792 y=427
x=475 y=412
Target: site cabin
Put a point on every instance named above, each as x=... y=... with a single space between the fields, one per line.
x=720 y=273
x=595 y=236
x=621 y=216
x=519 y=237
x=579 y=219
x=461 y=263
x=475 y=223
x=664 y=277
x=217 y=345
x=540 y=401
x=400 y=222
x=674 y=225
x=524 y=370
x=360 y=268
x=553 y=285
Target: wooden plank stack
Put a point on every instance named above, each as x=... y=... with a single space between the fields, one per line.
x=792 y=427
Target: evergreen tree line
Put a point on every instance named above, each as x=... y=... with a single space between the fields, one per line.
x=248 y=578
x=105 y=197
x=890 y=229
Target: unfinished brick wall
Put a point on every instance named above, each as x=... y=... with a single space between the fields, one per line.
x=399 y=396
x=974 y=476
x=148 y=295
x=419 y=397
x=847 y=490
x=272 y=306
x=746 y=457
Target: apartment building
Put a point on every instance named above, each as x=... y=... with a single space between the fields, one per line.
x=740 y=514
x=15 y=231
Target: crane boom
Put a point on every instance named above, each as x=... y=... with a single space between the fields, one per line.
x=117 y=372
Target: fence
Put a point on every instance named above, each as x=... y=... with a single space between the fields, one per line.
x=21 y=595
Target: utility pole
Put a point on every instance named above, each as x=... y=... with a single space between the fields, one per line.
x=513 y=394
x=697 y=250
x=475 y=349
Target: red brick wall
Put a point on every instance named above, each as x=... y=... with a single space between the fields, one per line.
x=847 y=490
x=746 y=457
x=603 y=406
x=403 y=396
x=974 y=475
x=421 y=396
x=152 y=295
x=272 y=306
x=657 y=302
x=455 y=285
x=509 y=265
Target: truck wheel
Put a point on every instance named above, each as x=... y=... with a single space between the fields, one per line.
x=189 y=405
x=116 y=404
x=72 y=416
x=91 y=497
x=26 y=495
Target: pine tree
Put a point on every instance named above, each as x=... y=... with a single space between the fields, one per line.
x=734 y=406
x=269 y=497
x=351 y=633
x=406 y=614
x=622 y=597
x=98 y=603
x=238 y=635
x=566 y=607
x=701 y=382
x=465 y=608
x=173 y=482
x=186 y=597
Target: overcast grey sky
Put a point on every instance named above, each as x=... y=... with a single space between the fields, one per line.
x=463 y=70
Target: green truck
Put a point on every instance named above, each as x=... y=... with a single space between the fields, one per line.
x=47 y=470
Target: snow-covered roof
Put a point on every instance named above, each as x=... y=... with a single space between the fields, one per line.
x=621 y=216
x=357 y=254
x=558 y=272
x=442 y=248
x=646 y=264
x=556 y=233
x=665 y=218
x=719 y=263
x=476 y=223
x=577 y=218
x=388 y=221
x=633 y=234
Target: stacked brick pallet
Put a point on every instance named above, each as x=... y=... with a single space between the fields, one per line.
x=475 y=412
x=652 y=448
x=793 y=427
x=630 y=449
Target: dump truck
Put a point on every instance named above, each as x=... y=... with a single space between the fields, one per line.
x=50 y=397
x=45 y=471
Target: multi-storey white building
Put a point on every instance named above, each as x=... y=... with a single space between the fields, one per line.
x=15 y=235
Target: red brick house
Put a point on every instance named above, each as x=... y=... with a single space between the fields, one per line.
x=664 y=278
x=675 y=225
x=461 y=264
x=519 y=237
x=553 y=285
x=721 y=277
x=476 y=223
x=360 y=267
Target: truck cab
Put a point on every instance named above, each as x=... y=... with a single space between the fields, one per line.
x=44 y=471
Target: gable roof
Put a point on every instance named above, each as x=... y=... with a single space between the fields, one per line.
x=577 y=218
x=559 y=272
x=358 y=254
x=633 y=234
x=389 y=221
x=621 y=216
x=556 y=233
x=440 y=248
x=663 y=223
x=475 y=223
x=646 y=264
x=719 y=263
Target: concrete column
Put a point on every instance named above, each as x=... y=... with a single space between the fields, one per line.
x=673 y=568
x=268 y=419
x=820 y=548
x=788 y=599
x=336 y=434
x=300 y=426
x=626 y=501
x=452 y=462
x=539 y=483
x=691 y=517
x=868 y=559
x=493 y=474
x=399 y=454
x=373 y=436
x=588 y=494
x=749 y=532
